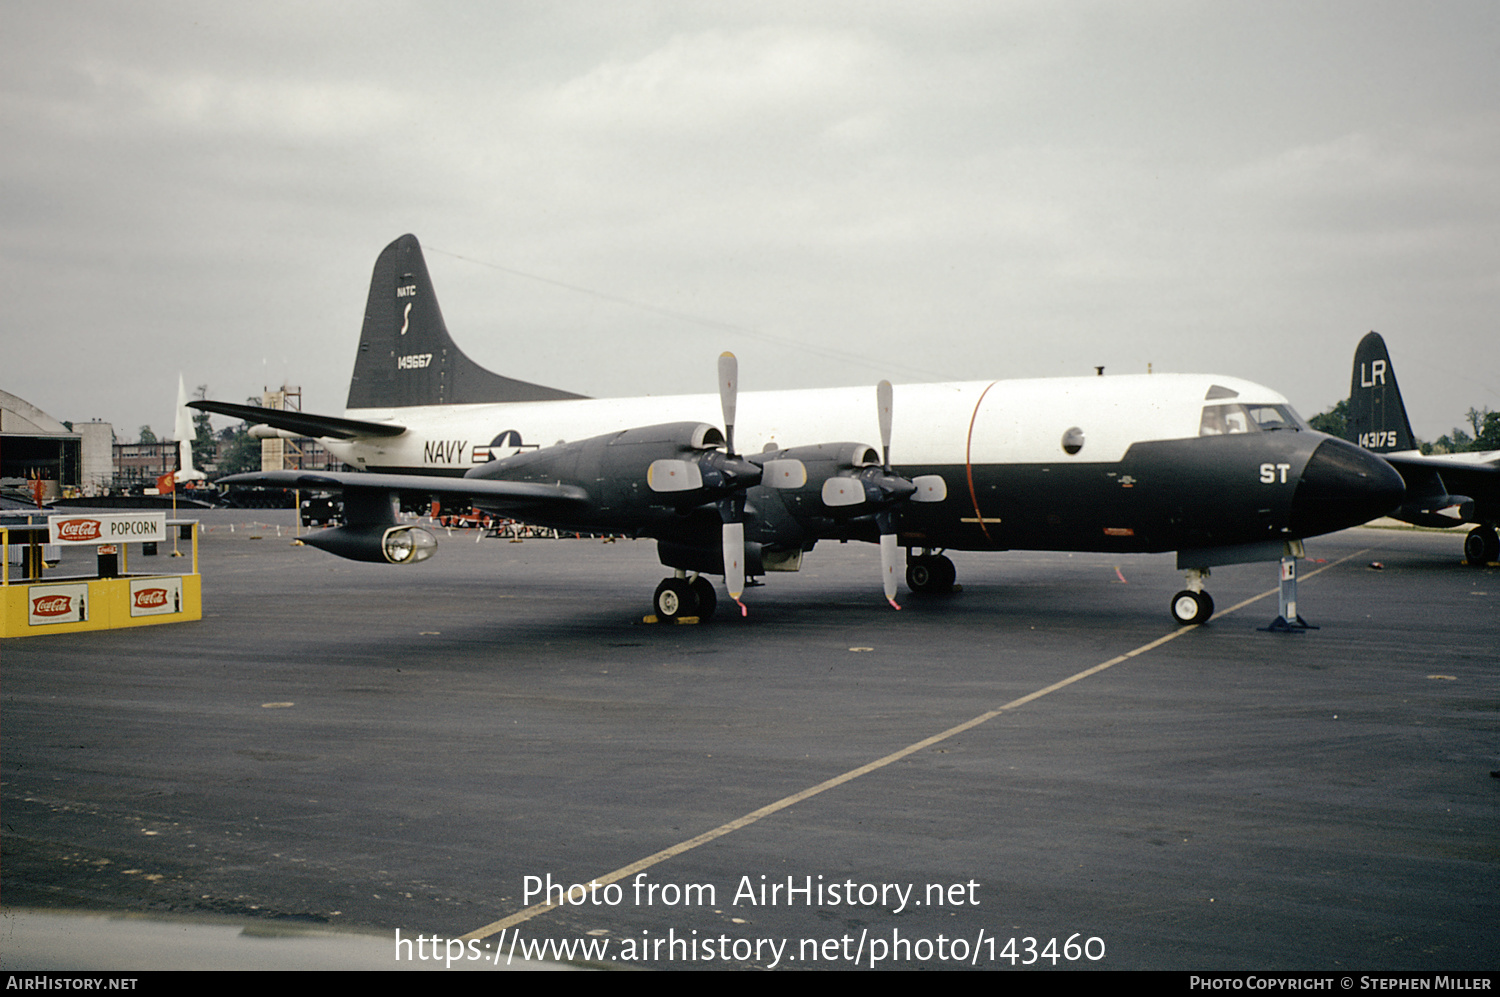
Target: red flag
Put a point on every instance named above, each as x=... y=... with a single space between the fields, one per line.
x=164 y=484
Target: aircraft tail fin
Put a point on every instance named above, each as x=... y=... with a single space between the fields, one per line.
x=406 y=356
x=1377 y=417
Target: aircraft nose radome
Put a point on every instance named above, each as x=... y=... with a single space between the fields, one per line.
x=1343 y=485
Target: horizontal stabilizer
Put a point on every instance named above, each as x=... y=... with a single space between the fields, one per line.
x=303 y=423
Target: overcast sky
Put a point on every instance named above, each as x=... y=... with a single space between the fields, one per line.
x=610 y=194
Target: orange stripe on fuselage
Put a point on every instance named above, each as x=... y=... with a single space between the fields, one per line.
x=969 y=463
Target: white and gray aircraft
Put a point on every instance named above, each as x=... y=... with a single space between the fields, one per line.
x=1219 y=469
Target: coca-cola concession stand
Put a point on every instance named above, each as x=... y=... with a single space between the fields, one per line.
x=34 y=601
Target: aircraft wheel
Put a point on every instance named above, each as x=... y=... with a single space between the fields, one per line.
x=930 y=573
x=1192 y=607
x=674 y=598
x=708 y=599
x=947 y=573
x=1481 y=546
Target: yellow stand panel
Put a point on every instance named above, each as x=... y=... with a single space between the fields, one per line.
x=32 y=607
x=108 y=601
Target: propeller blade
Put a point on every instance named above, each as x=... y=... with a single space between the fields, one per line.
x=883 y=407
x=729 y=384
x=784 y=473
x=840 y=491
x=734 y=562
x=888 y=566
x=674 y=476
x=930 y=488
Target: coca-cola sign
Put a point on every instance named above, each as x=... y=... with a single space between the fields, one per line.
x=155 y=596
x=57 y=603
x=52 y=605
x=79 y=530
x=149 y=598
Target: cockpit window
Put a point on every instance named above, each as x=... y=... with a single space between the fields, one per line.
x=1224 y=420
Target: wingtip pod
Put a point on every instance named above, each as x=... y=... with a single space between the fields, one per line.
x=376 y=543
x=1377 y=416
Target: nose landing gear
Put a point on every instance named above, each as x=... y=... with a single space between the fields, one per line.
x=1193 y=605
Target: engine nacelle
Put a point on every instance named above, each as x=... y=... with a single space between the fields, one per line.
x=624 y=474
x=376 y=542
x=845 y=494
x=830 y=467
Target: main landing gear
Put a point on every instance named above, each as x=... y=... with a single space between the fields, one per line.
x=1482 y=546
x=929 y=573
x=679 y=597
x=1193 y=605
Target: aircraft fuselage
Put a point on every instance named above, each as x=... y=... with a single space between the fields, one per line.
x=1219 y=469
x=1091 y=464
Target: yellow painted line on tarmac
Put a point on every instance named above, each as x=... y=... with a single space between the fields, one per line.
x=657 y=858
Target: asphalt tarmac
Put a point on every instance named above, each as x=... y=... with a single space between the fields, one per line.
x=417 y=749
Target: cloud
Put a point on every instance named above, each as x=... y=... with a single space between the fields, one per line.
x=718 y=81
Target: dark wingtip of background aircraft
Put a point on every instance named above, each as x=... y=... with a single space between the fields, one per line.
x=1218 y=469
x=1442 y=490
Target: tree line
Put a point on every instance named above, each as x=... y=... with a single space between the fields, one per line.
x=1484 y=430
x=231 y=449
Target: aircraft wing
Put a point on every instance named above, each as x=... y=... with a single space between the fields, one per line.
x=1479 y=479
x=1482 y=462
x=517 y=495
x=302 y=423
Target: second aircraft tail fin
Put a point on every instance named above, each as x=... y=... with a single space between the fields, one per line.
x=1377 y=417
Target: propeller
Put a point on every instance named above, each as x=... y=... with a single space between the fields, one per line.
x=924 y=488
x=729 y=386
x=726 y=477
x=786 y=472
x=884 y=520
x=883 y=489
x=732 y=508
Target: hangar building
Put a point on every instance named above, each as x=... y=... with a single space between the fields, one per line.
x=35 y=445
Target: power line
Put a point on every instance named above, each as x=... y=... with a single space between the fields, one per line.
x=707 y=323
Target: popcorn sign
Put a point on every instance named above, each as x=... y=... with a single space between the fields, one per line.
x=105 y=528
